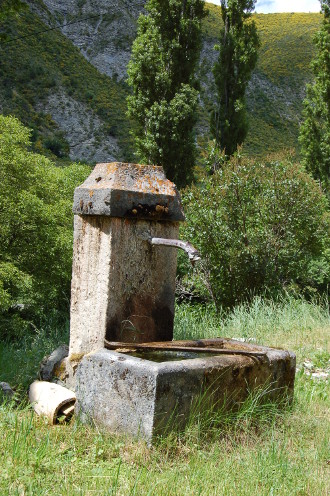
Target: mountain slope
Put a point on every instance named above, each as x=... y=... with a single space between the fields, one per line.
x=69 y=83
x=52 y=88
x=277 y=86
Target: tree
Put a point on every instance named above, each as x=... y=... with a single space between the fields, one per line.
x=35 y=229
x=161 y=72
x=315 y=130
x=238 y=51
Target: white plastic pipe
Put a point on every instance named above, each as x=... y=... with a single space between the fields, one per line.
x=51 y=400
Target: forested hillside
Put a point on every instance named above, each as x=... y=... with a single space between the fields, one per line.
x=63 y=70
x=47 y=83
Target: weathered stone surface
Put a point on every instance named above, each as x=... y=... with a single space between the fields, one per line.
x=128 y=190
x=123 y=393
x=51 y=362
x=64 y=373
x=122 y=287
x=117 y=391
x=6 y=392
x=123 y=290
x=79 y=124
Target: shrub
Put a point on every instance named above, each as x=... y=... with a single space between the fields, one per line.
x=35 y=229
x=57 y=145
x=258 y=225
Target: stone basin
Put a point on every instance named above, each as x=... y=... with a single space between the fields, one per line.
x=146 y=392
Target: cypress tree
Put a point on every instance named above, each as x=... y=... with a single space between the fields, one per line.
x=164 y=96
x=238 y=52
x=315 y=130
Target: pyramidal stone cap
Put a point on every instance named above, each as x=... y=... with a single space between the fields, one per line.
x=128 y=190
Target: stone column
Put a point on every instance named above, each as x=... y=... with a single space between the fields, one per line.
x=123 y=287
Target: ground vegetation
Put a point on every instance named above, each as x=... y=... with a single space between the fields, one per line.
x=35 y=231
x=259 y=450
x=258 y=225
x=48 y=64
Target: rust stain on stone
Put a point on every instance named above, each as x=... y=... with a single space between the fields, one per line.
x=123 y=186
x=112 y=167
x=155 y=212
x=141 y=320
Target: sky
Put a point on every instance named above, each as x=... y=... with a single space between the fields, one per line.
x=274 y=6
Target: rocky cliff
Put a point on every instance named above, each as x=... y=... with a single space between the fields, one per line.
x=103 y=30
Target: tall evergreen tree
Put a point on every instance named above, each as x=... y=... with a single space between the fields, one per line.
x=315 y=130
x=161 y=72
x=238 y=52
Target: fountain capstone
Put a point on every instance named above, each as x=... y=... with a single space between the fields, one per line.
x=128 y=374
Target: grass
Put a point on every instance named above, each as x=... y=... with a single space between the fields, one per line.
x=260 y=450
x=20 y=361
x=288 y=322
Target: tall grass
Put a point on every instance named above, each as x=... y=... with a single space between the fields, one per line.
x=286 y=322
x=256 y=452
x=259 y=450
x=20 y=360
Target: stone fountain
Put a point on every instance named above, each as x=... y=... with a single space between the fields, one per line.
x=128 y=374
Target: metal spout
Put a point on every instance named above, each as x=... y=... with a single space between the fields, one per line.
x=192 y=253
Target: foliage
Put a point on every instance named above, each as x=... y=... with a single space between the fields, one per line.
x=8 y=10
x=315 y=130
x=214 y=158
x=35 y=229
x=9 y=7
x=281 y=59
x=237 y=58
x=161 y=74
x=47 y=63
x=258 y=225
x=20 y=358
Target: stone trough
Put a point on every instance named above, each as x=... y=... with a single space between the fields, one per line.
x=127 y=372
x=146 y=392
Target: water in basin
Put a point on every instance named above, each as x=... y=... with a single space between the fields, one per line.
x=169 y=355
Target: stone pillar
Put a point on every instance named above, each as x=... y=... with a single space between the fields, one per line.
x=123 y=287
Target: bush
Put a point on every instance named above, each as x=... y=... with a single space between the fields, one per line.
x=258 y=226
x=35 y=229
x=57 y=145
